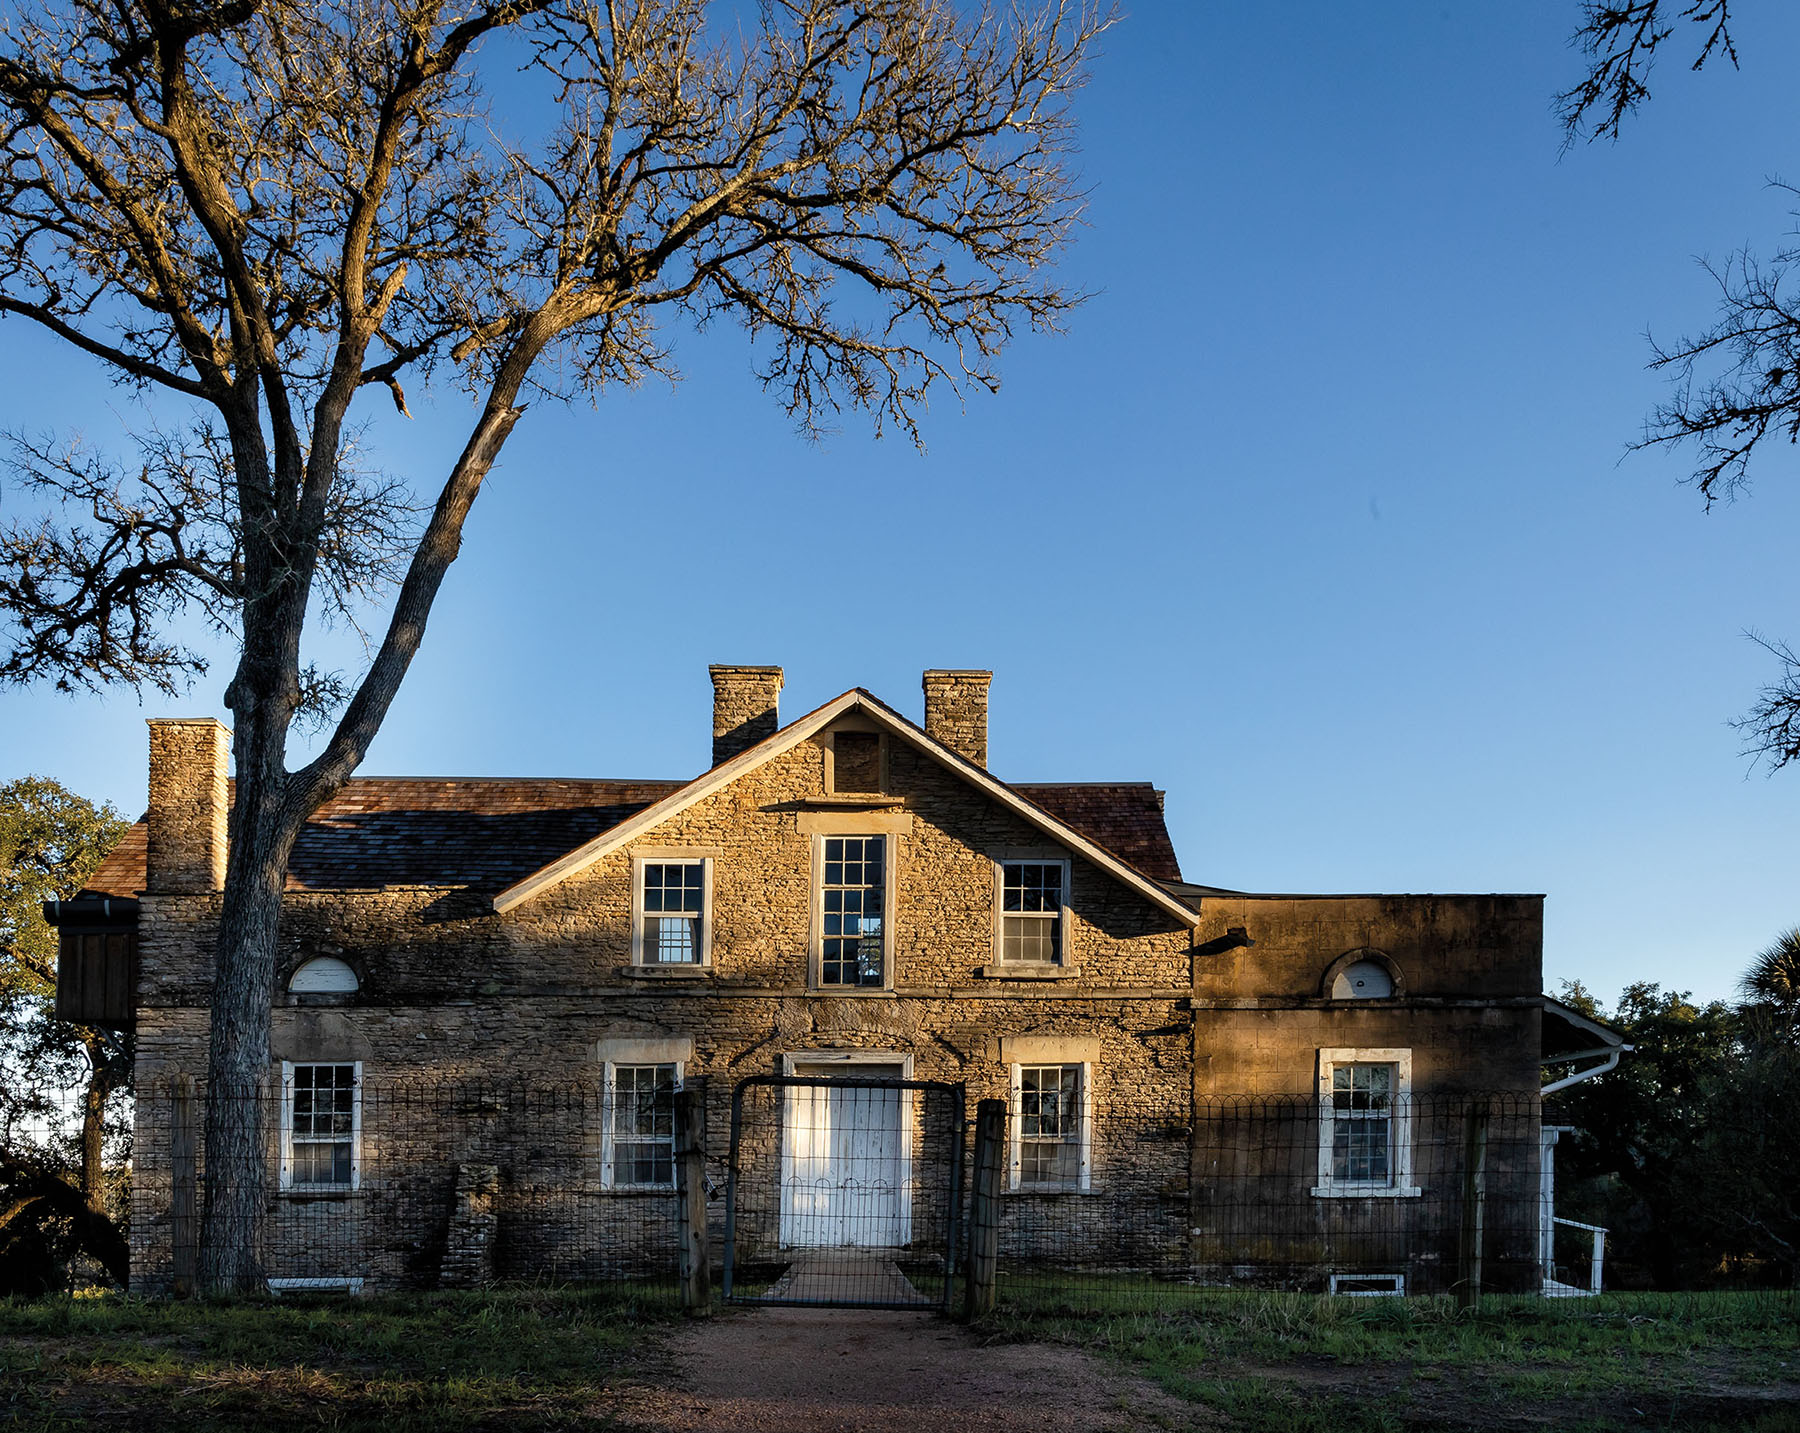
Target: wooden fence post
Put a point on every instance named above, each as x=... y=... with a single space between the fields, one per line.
x=984 y=1212
x=690 y=1184
x=1474 y=1200
x=184 y=1219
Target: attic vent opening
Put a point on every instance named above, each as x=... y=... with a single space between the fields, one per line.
x=1363 y=980
x=856 y=761
x=324 y=975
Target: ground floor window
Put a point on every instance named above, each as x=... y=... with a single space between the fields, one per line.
x=1050 y=1127
x=321 y=1126
x=1365 y=1122
x=640 y=1125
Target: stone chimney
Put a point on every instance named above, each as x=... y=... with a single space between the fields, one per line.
x=956 y=711
x=746 y=708
x=189 y=760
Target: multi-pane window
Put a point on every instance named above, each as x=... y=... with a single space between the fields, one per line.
x=854 y=891
x=1050 y=1133
x=672 y=897
x=322 y=1126
x=1361 y=1112
x=641 y=1115
x=1031 y=907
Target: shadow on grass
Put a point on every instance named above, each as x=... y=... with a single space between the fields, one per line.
x=513 y=1358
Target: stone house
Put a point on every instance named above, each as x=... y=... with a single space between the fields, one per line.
x=848 y=894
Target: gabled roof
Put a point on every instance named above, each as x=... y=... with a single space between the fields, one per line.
x=867 y=705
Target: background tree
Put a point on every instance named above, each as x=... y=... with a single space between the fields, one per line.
x=1772 y=983
x=1686 y=1151
x=1736 y=384
x=1631 y=1164
x=50 y=842
x=262 y=209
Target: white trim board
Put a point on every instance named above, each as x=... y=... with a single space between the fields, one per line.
x=787 y=739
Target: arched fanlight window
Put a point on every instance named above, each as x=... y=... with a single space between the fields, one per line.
x=1363 y=980
x=323 y=975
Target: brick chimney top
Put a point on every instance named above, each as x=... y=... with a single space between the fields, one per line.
x=746 y=708
x=189 y=761
x=956 y=711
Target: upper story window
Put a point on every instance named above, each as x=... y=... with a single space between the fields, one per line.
x=853 y=911
x=1365 y=1123
x=672 y=911
x=321 y=1126
x=1031 y=922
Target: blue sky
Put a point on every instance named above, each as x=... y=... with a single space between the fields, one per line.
x=1315 y=516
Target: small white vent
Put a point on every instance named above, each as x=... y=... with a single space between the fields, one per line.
x=1369 y=1286
x=324 y=975
x=328 y=1284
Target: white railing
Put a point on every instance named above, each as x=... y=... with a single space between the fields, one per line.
x=1596 y=1263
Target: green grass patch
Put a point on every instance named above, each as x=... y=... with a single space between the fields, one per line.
x=523 y=1359
x=1291 y=1363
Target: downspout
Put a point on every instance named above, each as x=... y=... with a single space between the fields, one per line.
x=1611 y=1062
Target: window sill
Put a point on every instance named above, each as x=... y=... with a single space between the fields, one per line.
x=1027 y=1191
x=1022 y=970
x=666 y=972
x=852 y=992
x=320 y=1195
x=636 y=1191
x=1367 y=1191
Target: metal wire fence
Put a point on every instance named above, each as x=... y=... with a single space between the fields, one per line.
x=843 y=1190
x=375 y=1185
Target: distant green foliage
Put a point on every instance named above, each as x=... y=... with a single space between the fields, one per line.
x=1687 y=1152
x=50 y=842
x=56 y=1079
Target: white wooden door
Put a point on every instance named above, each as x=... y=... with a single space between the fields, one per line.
x=845 y=1163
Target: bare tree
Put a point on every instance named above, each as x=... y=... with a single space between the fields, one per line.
x=1735 y=385
x=265 y=207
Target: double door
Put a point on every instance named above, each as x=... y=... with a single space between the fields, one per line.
x=846 y=1160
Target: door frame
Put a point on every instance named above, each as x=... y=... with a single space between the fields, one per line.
x=850 y=1059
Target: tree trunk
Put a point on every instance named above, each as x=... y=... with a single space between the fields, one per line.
x=237 y=1095
x=93 y=1129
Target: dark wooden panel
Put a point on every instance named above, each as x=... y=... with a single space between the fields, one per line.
x=96 y=977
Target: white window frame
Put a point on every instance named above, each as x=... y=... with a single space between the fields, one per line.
x=1015 y=1131
x=639 y=860
x=1399 y=1184
x=608 y=1101
x=1065 y=928
x=890 y=883
x=286 y=1179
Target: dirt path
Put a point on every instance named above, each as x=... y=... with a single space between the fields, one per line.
x=855 y=1371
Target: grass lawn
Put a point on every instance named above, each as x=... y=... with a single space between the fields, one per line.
x=514 y=1359
x=1291 y=1363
